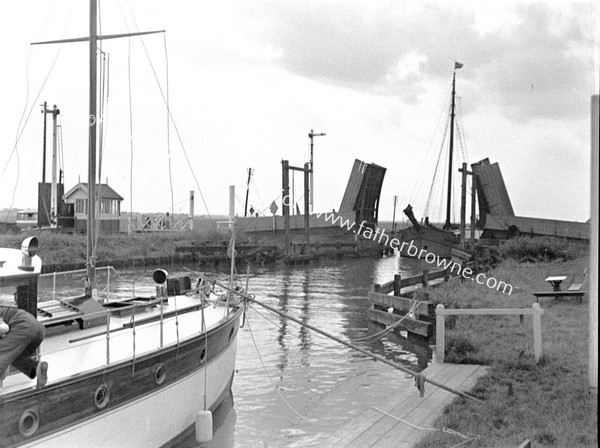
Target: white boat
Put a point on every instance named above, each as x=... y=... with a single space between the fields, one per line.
x=124 y=373
x=141 y=372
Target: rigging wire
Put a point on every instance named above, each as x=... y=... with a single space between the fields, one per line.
x=175 y=127
x=131 y=147
x=347 y=420
x=169 y=130
x=435 y=173
x=421 y=177
x=103 y=114
x=460 y=131
x=443 y=192
x=262 y=204
x=22 y=124
x=24 y=119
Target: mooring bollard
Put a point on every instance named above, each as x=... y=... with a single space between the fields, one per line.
x=439 y=333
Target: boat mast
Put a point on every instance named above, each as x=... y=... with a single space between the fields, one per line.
x=447 y=224
x=91 y=209
x=93 y=121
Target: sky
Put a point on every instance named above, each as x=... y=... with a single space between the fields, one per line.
x=246 y=81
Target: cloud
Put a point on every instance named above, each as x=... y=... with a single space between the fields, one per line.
x=537 y=66
x=534 y=69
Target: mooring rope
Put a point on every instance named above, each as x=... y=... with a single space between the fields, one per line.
x=347 y=420
x=348 y=344
x=380 y=334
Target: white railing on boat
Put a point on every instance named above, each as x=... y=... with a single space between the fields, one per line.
x=173 y=315
x=176 y=313
x=105 y=290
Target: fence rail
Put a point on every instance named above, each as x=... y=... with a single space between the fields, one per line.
x=536 y=311
x=105 y=291
x=398 y=283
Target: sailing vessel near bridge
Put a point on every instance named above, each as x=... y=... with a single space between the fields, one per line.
x=425 y=236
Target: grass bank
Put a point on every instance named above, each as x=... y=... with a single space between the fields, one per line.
x=547 y=402
x=57 y=248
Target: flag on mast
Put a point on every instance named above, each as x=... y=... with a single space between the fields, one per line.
x=457 y=65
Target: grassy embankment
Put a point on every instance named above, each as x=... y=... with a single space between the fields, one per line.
x=547 y=402
x=58 y=248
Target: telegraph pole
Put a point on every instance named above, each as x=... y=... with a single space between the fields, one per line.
x=311 y=135
x=45 y=112
x=54 y=192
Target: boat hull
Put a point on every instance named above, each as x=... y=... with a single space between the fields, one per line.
x=144 y=408
x=428 y=240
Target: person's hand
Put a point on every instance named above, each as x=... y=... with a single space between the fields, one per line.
x=3 y=328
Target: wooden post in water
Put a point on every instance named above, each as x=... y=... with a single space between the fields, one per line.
x=537 y=331
x=397 y=287
x=307 y=196
x=425 y=277
x=285 y=204
x=439 y=334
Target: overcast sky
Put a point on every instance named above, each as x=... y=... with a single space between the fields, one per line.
x=248 y=80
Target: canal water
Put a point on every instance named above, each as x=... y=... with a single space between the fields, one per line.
x=294 y=387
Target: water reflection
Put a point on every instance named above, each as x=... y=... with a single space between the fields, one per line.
x=305 y=333
x=283 y=322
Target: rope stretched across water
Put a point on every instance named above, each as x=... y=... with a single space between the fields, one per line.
x=341 y=341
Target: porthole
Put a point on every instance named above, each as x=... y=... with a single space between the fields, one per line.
x=160 y=374
x=101 y=396
x=29 y=423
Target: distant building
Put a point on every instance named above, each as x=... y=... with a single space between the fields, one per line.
x=27 y=218
x=109 y=209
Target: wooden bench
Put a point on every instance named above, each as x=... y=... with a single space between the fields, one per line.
x=555 y=294
x=575 y=289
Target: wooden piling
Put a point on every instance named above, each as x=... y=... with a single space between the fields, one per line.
x=425 y=277
x=397 y=284
x=439 y=333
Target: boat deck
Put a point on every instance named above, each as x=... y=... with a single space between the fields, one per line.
x=81 y=350
x=375 y=429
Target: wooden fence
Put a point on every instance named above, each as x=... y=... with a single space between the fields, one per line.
x=388 y=309
x=398 y=283
x=440 y=312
